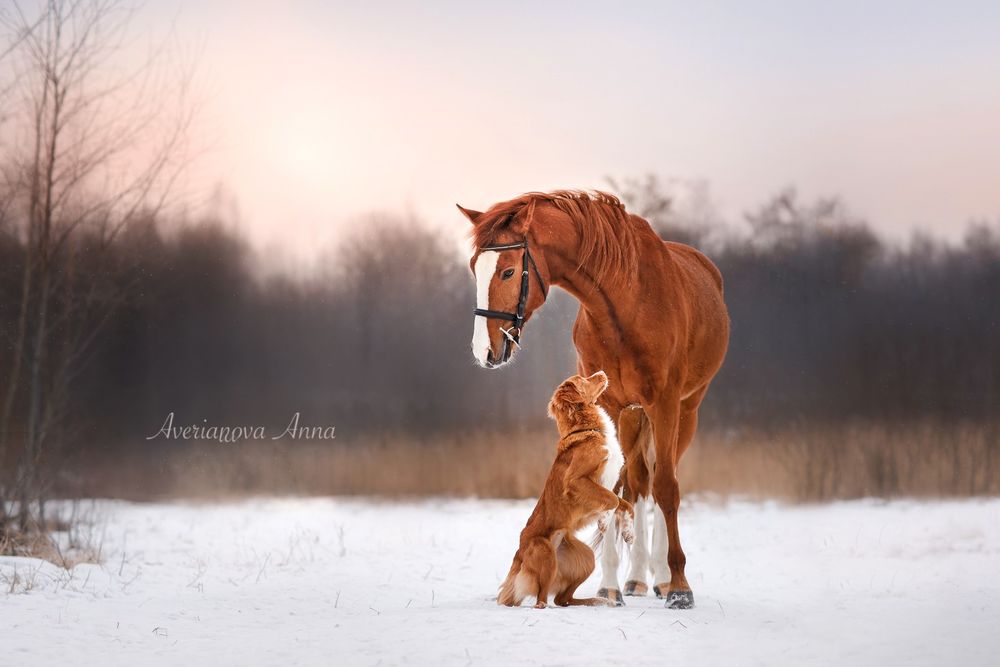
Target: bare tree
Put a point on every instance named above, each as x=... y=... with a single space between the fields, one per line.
x=678 y=209
x=94 y=146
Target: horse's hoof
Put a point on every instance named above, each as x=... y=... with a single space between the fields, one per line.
x=660 y=590
x=635 y=588
x=680 y=600
x=613 y=595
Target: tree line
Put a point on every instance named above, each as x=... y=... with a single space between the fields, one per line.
x=116 y=311
x=828 y=323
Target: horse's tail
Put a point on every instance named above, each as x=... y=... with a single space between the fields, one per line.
x=597 y=540
x=645 y=445
x=637 y=472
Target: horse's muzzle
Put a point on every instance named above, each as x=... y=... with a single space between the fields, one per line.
x=492 y=362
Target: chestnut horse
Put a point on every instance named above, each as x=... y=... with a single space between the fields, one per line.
x=652 y=317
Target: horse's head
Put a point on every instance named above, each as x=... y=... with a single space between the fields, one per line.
x=509 y=284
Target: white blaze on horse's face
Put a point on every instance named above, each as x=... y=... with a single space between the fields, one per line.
x=486 y=268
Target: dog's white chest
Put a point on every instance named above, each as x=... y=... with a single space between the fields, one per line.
x=613 y=467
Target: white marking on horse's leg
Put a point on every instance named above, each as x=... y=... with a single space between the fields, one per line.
x=486 y=266
x=639 y=553
x=609 y=555
x=658 y=559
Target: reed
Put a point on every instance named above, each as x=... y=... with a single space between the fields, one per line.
x=794 y=463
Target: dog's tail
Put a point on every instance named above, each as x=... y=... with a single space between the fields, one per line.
x=511 y=592
x=597 y=540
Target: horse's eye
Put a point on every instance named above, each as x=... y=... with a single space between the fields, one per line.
x=508 y=273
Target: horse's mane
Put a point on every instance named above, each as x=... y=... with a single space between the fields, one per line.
x=608 y=245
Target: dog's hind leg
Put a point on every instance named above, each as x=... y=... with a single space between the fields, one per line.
x=539 y=563
x=576 y=562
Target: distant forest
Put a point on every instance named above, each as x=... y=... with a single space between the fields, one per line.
x=857 y=366
x=830 y=323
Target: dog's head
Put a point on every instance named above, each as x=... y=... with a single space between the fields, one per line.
x=575 y=395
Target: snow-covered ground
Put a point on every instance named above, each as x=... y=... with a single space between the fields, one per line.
x=329 y=581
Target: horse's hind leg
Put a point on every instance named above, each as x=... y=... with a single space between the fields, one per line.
x=576 y=562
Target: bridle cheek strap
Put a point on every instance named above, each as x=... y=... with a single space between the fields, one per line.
x=513 y=335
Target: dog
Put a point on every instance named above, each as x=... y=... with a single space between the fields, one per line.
x=578 y=491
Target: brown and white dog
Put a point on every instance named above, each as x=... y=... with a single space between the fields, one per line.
x=579 y=490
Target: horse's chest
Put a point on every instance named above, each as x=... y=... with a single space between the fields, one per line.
x=625 y=378
x=633 y=370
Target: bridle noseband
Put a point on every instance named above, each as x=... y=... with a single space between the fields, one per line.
x=513 y=335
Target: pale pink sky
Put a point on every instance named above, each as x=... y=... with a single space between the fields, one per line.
x=319 y=112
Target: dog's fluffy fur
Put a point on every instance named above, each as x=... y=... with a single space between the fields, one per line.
x=578 y=491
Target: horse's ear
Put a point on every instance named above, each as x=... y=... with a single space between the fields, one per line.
x=469 y=213
x=520 y=221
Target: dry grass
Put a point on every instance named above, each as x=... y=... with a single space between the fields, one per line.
x=473 y=464
x=65 y=541
x=799 y=464
x=849 y=461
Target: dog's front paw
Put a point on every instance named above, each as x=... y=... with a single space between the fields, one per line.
x=602 y=524
x=627 y=528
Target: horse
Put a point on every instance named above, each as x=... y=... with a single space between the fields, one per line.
x=652 y=316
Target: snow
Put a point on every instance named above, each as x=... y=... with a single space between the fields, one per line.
x=360 y=582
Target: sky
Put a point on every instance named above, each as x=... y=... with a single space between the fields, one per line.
x=316 y=114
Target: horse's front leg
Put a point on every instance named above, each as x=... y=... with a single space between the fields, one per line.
x=666 y=418
x=637 y=436
x=635 y=584
x=609 y=566
x=629 y=430
x=658 y=566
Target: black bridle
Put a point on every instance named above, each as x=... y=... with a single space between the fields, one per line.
x=513 y=335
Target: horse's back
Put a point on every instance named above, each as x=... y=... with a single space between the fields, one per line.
x=696 y=264
x=699 y=271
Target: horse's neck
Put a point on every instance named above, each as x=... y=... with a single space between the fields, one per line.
x=606 y=304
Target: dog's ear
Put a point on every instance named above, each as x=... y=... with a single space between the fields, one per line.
x=566 y=398
x=594 y=386
x=579 y=385
x=552 y=408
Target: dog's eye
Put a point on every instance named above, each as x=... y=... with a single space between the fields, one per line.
x=508 y=273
